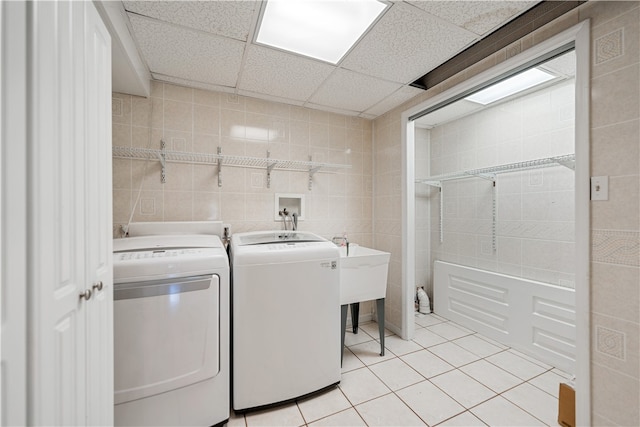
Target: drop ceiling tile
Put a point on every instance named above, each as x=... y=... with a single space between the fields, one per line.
x=187 y=54
x=331 y=109
x=397 y=98
x=405 y=44
x=191 y=83
x=479 y=17
x=271 y=98
x=277 y=73
x=564 y=65
x=347 y=90
x=224 y=18
x=447 y=113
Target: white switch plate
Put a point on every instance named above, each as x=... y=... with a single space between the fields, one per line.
x=599 y=188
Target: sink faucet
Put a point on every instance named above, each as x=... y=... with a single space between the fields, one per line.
x=343 y=241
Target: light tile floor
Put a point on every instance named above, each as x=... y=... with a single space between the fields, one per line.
x=446 y=376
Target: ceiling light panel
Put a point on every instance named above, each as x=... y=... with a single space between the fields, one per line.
x=522 y=81
x=323 y=30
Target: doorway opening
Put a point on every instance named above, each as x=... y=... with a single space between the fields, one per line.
x=496 y=205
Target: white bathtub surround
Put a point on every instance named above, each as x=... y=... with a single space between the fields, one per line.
x=534 y=209
x=534 y=317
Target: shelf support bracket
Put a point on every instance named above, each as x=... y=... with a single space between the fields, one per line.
x=571 y=164
x=219 y=166
x=312 y=171
x=162 y=158
x=441 y=215
x=270 y=167
x=494 y=217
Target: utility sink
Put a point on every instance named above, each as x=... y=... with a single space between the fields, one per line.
x=363 y=274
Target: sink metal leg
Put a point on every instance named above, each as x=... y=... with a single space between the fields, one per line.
x=355 y=313
x=343 y=326
x=380 y=311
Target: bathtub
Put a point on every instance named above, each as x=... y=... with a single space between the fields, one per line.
x=535 y=318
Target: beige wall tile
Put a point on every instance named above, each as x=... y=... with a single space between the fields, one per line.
x=232 y=102
x=178 y=115
x=121 y=206
x=205 y=179
x=233 y=147
x=622 y=210
x=150 y=206
x=233 y=206
x=178 y=205
x=179 y=177
x=178 y=93
x=615 y=149
x=615 y=396
x=175 y=140
x=259 y=206
x=121 y=134
x=615 y=97
x=147 y=112
x=147 y=171
x=233 y=180
x=206 y=120
x=337 y=137
x=318 y=135
x=614 y=45
x=615 y=291
x=600 y=12
x=121 y=108
x=121 y=174
x=206 y=97
x=299 y=133
x=299 y=113
x=205 y=143
x=206 y=206
x=232 y=123
x=317 y=116
x=157 y=89
x=615 y=344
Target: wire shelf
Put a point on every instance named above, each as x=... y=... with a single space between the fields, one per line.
x=490 y=173
x=221 y=160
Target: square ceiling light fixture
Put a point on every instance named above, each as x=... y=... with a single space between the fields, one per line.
x=320 y=29
x=522 y=81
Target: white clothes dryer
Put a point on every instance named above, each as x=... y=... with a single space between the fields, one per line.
x=286 y=317
x=171 y=329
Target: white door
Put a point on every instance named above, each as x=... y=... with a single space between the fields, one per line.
x=98 y=220
x=70 y=380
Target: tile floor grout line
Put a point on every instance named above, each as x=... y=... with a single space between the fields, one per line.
x=501 y=349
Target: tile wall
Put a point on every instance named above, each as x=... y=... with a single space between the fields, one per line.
x=534 y=209
x=615 y=224
x=200 y=121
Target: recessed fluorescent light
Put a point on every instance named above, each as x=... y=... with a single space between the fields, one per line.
x=321 y=29
x=525 y=80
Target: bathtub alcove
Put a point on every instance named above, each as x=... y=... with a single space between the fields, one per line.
x=495 y=210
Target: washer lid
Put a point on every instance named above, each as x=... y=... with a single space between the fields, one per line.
x=156 y=257
x=269 y=237
x=177 y=241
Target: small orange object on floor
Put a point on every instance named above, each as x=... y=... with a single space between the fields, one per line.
x=567 y=406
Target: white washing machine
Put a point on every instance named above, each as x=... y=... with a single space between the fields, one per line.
x=171 y=326
x=286 y=317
